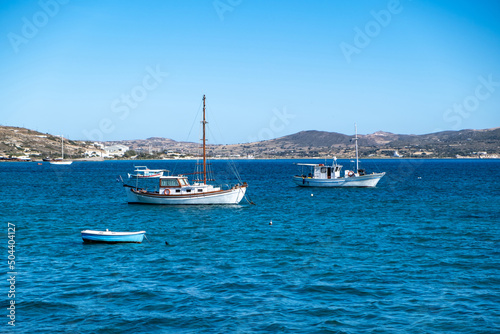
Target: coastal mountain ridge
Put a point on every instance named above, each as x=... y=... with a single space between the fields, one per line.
x=15 y=141
x=324 y=138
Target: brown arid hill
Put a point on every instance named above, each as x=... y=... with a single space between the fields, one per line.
x=485 y=143
x=464 y=143
x=15 y=142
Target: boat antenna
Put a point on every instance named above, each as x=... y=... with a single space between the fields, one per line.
x=204 y=145
x=356 y=140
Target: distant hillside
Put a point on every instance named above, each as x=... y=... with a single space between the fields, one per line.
x=16 y=141
x=326 y=139
x=378 y=144
x=154 y=144
x=313 y=138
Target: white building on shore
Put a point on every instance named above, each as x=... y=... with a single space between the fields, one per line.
x=115 y=151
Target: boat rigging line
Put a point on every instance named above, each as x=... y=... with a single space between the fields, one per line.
x=189 y=134
x=231 y=163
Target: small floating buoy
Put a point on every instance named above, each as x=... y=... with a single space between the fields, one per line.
x=419 y=177
x=271 y=222
x=166 y=243
x=312 y=195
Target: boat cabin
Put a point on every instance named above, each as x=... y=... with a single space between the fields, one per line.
x=320 y=171
x=179 y=185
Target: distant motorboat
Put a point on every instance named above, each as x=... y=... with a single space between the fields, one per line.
x=61 y=161
x=109 y=237
x=330 y=176
x=143 y=172
x=23 y=158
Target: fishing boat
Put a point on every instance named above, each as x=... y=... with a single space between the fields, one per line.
x=143 y=172
x=61 y=161
x=109 y=237
x=177 y=190
x=322 y=175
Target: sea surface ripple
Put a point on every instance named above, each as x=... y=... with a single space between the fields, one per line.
x=417 y=254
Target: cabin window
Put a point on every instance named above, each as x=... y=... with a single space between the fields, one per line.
x=188 y=190
x=200 y=190
x=323 y=169
x=177 y=190
x=169 y=183
x=183 y=182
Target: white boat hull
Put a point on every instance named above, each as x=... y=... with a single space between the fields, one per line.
x=230 y=196
x=366 y=181
x=61 y=162
x=110 y=237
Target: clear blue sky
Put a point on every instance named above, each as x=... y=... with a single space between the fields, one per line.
x=268 y=68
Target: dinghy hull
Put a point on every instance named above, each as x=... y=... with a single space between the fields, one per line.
x=108 y=237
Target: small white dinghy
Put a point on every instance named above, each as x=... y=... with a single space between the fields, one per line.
x=109 y=237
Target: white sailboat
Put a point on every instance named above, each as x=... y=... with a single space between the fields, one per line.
x=61 y=161
x=176 y=189
x=330 y=176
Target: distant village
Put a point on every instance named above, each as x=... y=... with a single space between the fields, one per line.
x=20 y=144
x=99 y=151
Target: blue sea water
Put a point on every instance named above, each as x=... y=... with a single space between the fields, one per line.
x=417 y=254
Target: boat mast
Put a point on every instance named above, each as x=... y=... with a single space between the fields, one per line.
x=204 y=145
x=356 y=140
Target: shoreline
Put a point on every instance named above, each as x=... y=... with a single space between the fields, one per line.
x=271 y=158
